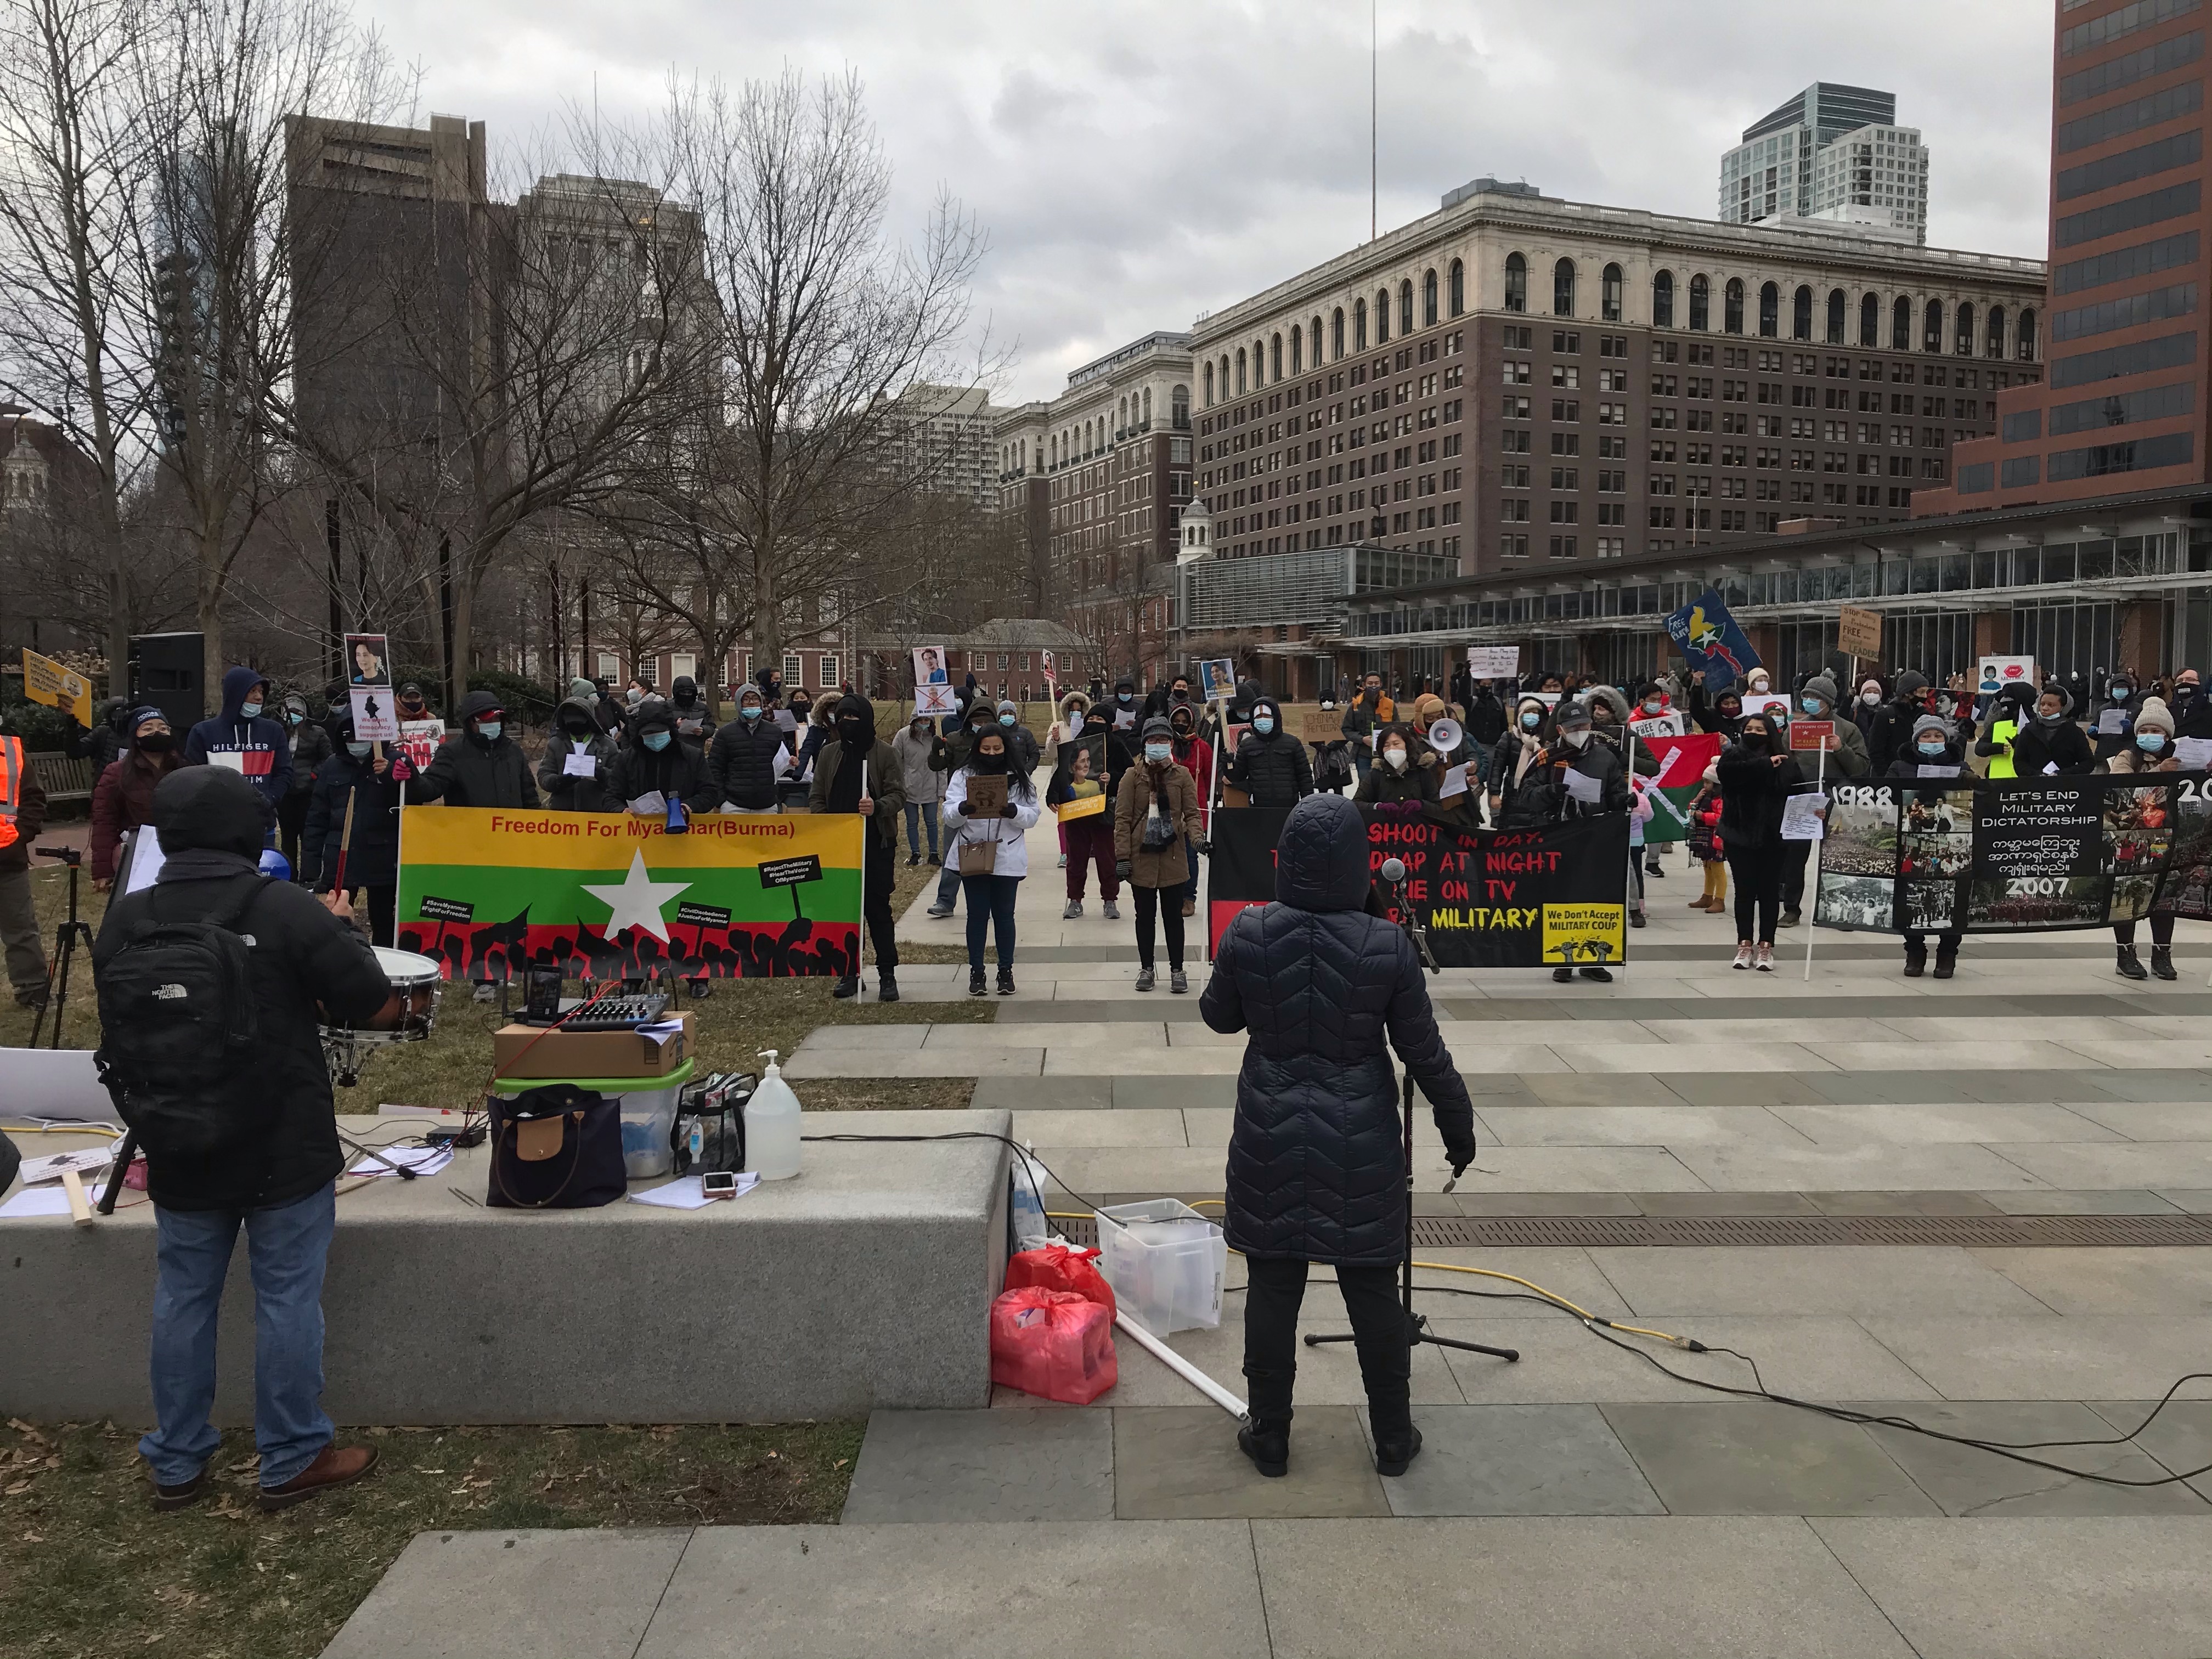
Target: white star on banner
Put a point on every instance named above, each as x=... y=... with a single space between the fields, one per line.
x=637 y=901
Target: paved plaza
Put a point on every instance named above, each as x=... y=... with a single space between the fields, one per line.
x=1579 y=1501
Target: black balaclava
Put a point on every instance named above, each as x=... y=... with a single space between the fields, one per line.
x=989 y=765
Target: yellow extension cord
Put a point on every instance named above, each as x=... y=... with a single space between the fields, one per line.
x=1552 y=1297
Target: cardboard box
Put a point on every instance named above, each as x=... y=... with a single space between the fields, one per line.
x=590 y=1053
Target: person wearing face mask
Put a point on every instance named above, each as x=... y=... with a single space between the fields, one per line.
x=925 y=786
x=1889 y=737
x=1864 y=707
x=1396 y=779
x=1515 y=758
x=1164 y=696
x=948 y=757
x=2008 y=719
x=244 y=740
x=694 y=726
x=991 y=895
x=1065 y=730
x=657 y=762
x=1270 y=765
x=802 y=704
x=414 y=706
x=576 y=732
x=741 y=767
x=1932 y=743
x=2111 y=731
x=1021 y=741
x=858 y=772
x=2149 y=749
x=1757 y=774
x=123 y=797
x=354 y=774
x=1125 y=706
x=1846 y=758
x=2192 y=710
x=103 y=742
x=479 y=766
x=311 y=746
x=2048 y=740
x=1363 y=716
x=1544 y=798
x=1194 y=752
x=1486 y=718
x=1722 y=714
x=1156 y=823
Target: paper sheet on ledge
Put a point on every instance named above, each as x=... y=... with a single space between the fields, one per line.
x=36 y=1201
x=423 y=1160
x=685 y=1193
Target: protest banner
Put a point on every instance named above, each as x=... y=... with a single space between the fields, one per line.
x=933 y=683
x=368 y=673
x=1984 y=855
x=1682 y=763
x=1858 y=632
x=1704 y=633
x=487 y=892
x=46 y=681
x=1489 y=898
x=1493 y=662
x=419 y=741
x=1993 y=674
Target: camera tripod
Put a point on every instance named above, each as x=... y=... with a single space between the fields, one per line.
x=1417 y=1324
x=66 y=942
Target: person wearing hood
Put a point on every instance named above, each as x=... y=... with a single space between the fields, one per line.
x=1316 y=1166
x=2046 y=741
x=1024 y=741
x=658 y=762
x=694 y=726
x=1270 y=765
x=480 y=765
x=1397 y=778
x=2112 y=731
x=2008 y=718
x=1757 y=775
x=306 y=965
x=356 y=776
x=1864 y=707
x=1514 y=758
x=1002 y=843
x=1365 y=716
x=1194 y=752
x=1164 y=696
x=1156 y=826
x=243 y=740
x=912 y=746
x=742 y=765
x=950 y=754
x=1066 y=729
x=1934 y=742
x=2192 y=710
x=1722 y=715
x=312 y=742
x=1124 y=709
x=2149 y=749
x=576 y=732
x=106 y=739
x=1485 y=723
x=856 y=771
x=611 y=710
x=123 y=799
x=1889 y=735
x=1087 y=770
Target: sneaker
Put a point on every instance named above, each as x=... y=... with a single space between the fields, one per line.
x=976 y=987
x=1111 y=910
x=1654 y=870
x=1391 y=1457
x=1269 y=1449
x=1063 y=861
x=483 y=992
x=1074 y=909
x=1790 y=919
x=1145 y=979
x=1766 y=963
x=913 y=859
x=938 y=911
x=886 y=986
x=1005 y=981
x=1745 y=955
x=334 y=1467
x=1602 y=976
x=1178 y=981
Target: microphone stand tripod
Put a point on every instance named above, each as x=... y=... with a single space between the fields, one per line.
x=1417 y=1324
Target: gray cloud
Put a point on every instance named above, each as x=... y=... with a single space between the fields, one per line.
x=1136 y=163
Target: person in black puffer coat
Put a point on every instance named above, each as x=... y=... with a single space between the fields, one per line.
x=480 y=767
x=1270 y=764
x=742 y=764
x=1757 y=775
x=658 y=762
x=1889 y=734
x=576 y=732
x=694 y=726
x=1317 y=1170
x=354 y=774
x=2050 y=738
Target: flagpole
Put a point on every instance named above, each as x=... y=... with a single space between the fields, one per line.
x=1820 y=784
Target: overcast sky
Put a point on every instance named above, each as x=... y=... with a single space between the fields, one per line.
x=1137 y=162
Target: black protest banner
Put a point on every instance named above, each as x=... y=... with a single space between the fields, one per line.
x=1993 y=855
x=1489 y=898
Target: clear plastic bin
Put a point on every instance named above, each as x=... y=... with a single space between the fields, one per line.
x=648 y=1113
x=1165 y=1263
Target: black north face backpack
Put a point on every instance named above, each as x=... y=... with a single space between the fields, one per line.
x=178 y=1032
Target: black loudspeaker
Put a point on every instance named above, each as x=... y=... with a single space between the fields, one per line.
x=169 y=671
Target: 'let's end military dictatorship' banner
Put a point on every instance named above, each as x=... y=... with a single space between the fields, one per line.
x=487 y=892
x=1489 y=898
x=1999 y=856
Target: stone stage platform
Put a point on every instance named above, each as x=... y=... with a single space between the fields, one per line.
x=864 y=1283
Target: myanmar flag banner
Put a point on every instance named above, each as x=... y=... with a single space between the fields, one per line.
x=1682 y=763
x=487 y=892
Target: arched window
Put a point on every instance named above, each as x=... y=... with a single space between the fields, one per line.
x=1179 y=408
x=1732 y=307
x=1381 y=316
x=1225 y=375
x=1209 y=385
x=1701 y=301
x=1836 y=308
x=1965 y=343
x=1993 y=333
x=2024 y=336
x=1900 y=325
x=1405 y=308
x=1429 y=300
x=1870 y=322
x=1359 y=325
x=1147 y=417
x=1931 y=337
x=1458 y=288
x=1240 y=371
x=1336 y=335
x=1298 y=349
x=1313 y=339
x=1275 y=360
x=1770 y=311
x=1801 y=313
x=1663 y=298
x=1609 y=295
x=1563 y=289
x=1260 y=365
x=1516 y=283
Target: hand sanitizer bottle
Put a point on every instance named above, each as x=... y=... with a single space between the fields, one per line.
x=772 y=1125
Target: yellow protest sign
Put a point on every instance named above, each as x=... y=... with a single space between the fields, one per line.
x=1585 y=935
x=46 y=681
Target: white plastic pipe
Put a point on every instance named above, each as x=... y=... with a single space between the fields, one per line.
x=1181 y=1367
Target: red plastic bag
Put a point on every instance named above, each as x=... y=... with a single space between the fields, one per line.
x=1053 y=1344
x=1062 y=1267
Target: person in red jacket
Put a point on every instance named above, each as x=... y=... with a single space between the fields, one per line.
x=1706 y=847
x=123 y=799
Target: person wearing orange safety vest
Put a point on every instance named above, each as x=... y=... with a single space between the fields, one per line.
x=22 y=815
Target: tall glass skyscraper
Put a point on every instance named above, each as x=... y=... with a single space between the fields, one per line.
x=1833 y=153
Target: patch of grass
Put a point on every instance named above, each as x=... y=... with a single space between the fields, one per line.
x=88 y=1568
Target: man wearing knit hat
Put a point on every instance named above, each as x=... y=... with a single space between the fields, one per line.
x=1933 y=744
x=2149 y=748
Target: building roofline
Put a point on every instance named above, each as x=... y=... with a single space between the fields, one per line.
x=1159 y=339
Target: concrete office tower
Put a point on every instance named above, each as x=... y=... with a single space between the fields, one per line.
x=1833 y=154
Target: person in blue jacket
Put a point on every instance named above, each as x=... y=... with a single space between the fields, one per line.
x=243 y=739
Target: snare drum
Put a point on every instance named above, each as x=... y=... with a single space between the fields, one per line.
x=406 y=1018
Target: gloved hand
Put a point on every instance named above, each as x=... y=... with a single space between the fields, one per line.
x=1010 y=811
x=1121 y=870
x=1460 y=1157
x=1200 y=846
